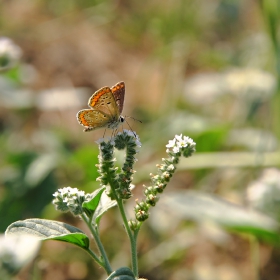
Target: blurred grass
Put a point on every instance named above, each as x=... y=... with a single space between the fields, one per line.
x=208 y=69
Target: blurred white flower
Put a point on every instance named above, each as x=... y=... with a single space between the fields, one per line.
x=251 y=83
x=248 y=83
x=204 y=87
x=264 y=193
x=253 y=139
x=17 y=250
x=9 y=53
x=62 y=98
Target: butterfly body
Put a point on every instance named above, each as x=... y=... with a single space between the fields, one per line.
x=106 y=107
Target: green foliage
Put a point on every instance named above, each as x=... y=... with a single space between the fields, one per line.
x=21 y=188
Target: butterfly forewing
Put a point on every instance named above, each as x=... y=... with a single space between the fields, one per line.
x=118 y=91
x=103 y=100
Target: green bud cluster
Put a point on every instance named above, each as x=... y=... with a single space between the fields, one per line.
x=120 y=182
x=141 y=211
x=106 y=167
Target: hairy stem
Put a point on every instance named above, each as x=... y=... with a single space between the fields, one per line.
x=104 y=262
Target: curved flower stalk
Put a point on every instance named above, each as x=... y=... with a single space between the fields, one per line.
x=177 y=147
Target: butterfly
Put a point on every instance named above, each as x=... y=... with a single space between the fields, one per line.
x=106 y=107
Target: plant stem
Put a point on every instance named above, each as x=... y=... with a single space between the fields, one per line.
x=95 y=257
x=132 y=238
x=105 y=261
x=255 y=256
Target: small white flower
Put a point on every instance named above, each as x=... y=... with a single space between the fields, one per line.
x=82 y=193
x=165 y=175
x=137 y=140
x=171 y=143
x=156 y=177
x=105 y=140
x=131 y=187
x=138 y=143
x=72 y=191
x=182 y=144
x=56 y=194
x=162 y=167
x=176 y=150
x=178 y=137
x=129 y=132
x=171 y=167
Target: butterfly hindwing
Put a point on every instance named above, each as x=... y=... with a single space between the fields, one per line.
x=93 y=118
x=118 y=91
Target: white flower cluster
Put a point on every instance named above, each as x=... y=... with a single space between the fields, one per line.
x=180 y=142
x=69 y=199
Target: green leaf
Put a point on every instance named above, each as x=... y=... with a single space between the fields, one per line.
x=105 y=204
x=93 y=203
x=201 y=207
x=123 y=273
x=49 y=230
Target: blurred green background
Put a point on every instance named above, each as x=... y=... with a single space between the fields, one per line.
x=207 y=69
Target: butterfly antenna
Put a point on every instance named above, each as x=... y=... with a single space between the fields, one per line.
x=133 y=119
x=130 y=127
x=104 y=133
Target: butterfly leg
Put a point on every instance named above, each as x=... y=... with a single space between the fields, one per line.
x=113 y=133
